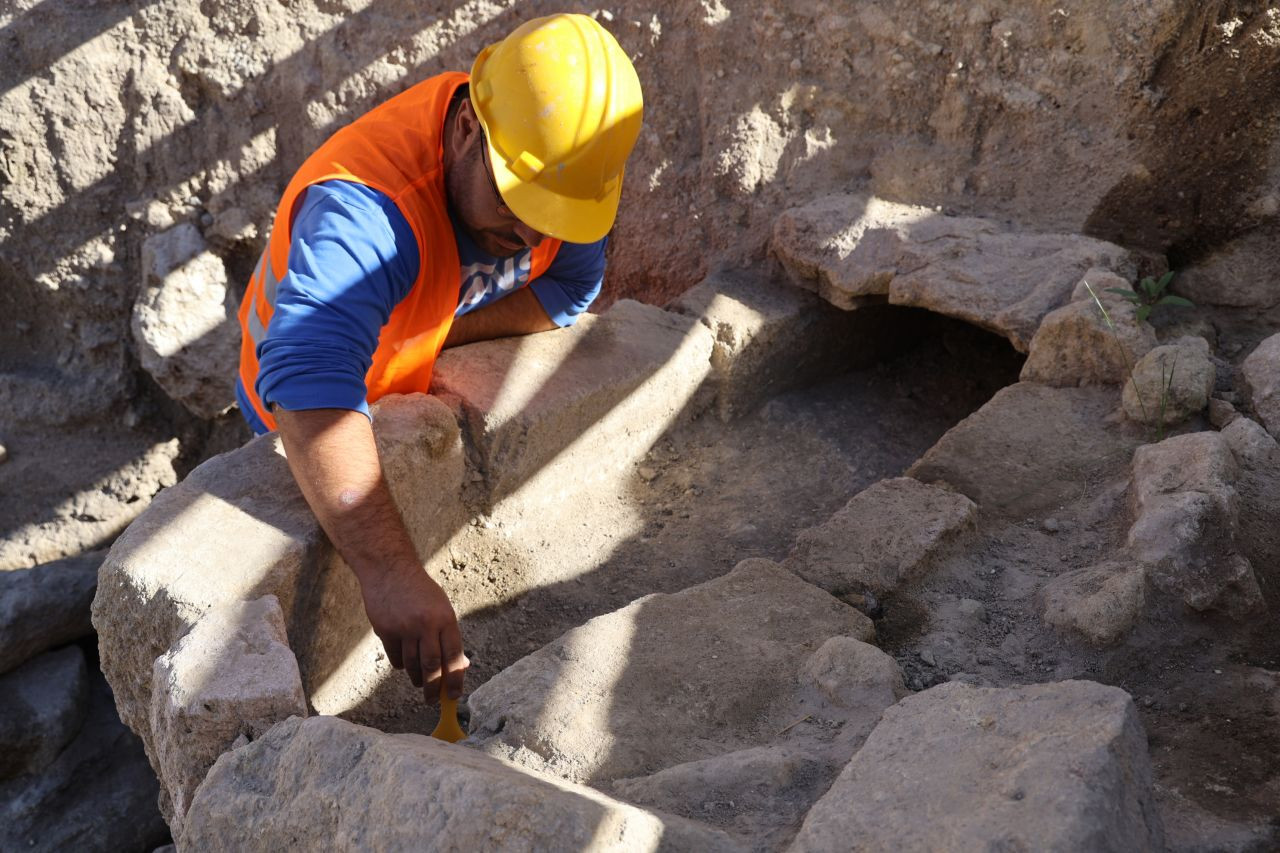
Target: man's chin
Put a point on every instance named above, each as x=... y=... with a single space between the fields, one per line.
x=500 y=248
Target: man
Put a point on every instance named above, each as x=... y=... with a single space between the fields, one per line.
x=482 y=197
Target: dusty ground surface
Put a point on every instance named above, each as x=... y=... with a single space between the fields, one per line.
x=714 y=494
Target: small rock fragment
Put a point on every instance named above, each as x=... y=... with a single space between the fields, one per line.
x=647 y=474
x=973 y=609
x=1101 y=603
x=1221 y=413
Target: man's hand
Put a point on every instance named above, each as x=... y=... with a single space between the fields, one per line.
x=412 y=616
x=335 y=461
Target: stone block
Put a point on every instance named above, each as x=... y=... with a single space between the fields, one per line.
x=326 y=784
x=98 y=794
x=601 y=392
x=1074 y=344
x=1261 y=372
x=1029 y=448
x=663 y=680
x=770 y=337
x=46 y=606
x=42 y=706
x=762 y=793
x=1101 y=603
x=1048 y=767
x=236 y=529
x=1258 y=492
x=882 y=538
x=849 y=247
x=184 y=321
x=1186 y=511
x=232 y=676
x=1170 y=383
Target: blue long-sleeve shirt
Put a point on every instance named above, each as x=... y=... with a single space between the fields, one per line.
x=353 y=258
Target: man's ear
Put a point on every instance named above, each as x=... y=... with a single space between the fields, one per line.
x=466 y=126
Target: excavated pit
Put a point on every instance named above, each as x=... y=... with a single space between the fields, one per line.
x=614 y=508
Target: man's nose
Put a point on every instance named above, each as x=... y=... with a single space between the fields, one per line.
x=530 y=237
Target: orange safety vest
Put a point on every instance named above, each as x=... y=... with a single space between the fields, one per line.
x=397 y=149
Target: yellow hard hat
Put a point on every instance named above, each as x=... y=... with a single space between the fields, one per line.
x=561 y=106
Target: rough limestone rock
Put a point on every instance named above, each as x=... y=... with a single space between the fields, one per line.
x=607 y=383
x=174 y=564
x=1058 y=767
x=762 y=793
x=1170 y=383
x=1029 y=448
x=99 y=794
x=326 y=784
x=1186 y=511
x=583 y=709
x=1100 y=603
x=770 y=337
x=850 y=247
x=1258 y=488
x=1234 y=273
x=1262 y=375
x=65 y=517
x=46 y=606
x=884 y=537
x=232 y=676
x=184 y=321
x=1074 y=344
x=42 y=706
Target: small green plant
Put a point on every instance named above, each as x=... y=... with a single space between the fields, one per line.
x=1149 y=295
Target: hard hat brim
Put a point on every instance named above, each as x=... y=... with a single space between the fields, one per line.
x=536 y=204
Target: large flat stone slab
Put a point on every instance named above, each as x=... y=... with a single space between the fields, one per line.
x=326 y=784
x=850 y=247
x=1030 y=448
x=666 y=680
x=1054 y=767
x=884 y=537
x=602 y=390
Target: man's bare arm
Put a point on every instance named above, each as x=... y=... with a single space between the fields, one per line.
x=517 y=314
x=335 y=461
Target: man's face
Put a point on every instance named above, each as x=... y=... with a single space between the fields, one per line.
x=474 y=196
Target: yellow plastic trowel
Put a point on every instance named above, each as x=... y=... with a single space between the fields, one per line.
x=448 y=729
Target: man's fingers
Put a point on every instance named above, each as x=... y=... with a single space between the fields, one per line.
x=431 y=673
x=411 y=660
x=392 y=648
x=455 y=660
